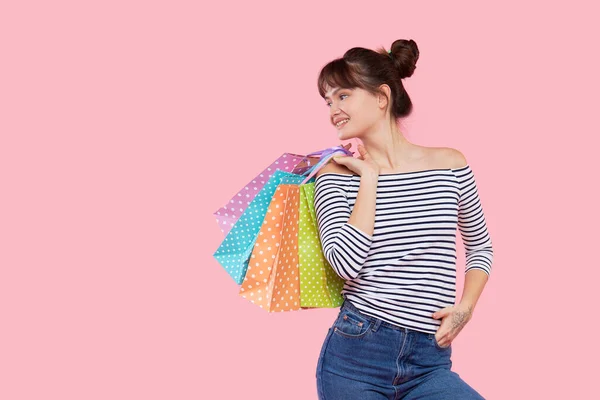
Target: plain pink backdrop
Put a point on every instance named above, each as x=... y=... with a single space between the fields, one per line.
x=125 y=125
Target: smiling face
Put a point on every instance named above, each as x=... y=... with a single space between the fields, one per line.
x=359 y=107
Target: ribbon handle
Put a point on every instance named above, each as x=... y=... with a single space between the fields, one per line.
x=325 y=156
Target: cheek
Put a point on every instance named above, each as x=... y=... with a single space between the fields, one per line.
x=363 y=106
x=356 y=109
x=362 y=114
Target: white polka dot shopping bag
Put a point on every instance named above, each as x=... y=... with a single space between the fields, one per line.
x=272 y=280
x=286 y=247
x=235 y=250
x=320 y=285
x=228 y=214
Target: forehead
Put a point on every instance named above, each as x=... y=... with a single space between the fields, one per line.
x=333 y=91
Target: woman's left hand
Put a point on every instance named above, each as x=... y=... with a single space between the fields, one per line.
x=453 y=320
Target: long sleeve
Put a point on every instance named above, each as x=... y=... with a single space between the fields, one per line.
x=345 y=246
x=479 y=253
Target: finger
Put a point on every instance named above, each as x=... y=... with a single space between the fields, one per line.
x=363 y=152
x=444 y=340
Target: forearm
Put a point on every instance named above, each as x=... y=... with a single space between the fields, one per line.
x=363 y=213
x=475 y=280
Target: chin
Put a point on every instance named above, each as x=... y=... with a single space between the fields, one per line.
x=342 y=132
x=342 y=135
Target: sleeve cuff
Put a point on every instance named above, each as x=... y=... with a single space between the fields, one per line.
x=484 y=269
x=362 y=234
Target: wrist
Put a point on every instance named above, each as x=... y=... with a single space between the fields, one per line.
x=467 y=305
x=370 y=175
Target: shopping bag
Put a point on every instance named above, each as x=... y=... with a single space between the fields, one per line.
x=234 y=251
x=320 y=285
x=272 y=279
x=230 y=212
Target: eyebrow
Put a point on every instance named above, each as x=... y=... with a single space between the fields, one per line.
x=334 y=92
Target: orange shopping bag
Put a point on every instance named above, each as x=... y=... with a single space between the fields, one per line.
x=272 y=278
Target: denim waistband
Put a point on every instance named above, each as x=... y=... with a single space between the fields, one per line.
x=379 y=322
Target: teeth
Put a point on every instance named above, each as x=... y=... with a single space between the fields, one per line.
x=341 y=122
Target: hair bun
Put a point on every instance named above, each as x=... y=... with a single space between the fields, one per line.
x=405 y=54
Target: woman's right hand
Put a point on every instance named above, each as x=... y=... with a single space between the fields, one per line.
x=361 y=165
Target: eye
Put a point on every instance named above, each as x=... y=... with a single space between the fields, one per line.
x=329 y=104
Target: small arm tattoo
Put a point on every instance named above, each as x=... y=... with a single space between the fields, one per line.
x=460 y=318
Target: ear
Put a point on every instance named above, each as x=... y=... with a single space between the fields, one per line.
x=382 y=101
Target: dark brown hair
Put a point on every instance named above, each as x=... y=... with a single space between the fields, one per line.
x=368 y=69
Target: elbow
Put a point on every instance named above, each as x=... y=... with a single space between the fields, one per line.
x=345 y=265
x=347 y=250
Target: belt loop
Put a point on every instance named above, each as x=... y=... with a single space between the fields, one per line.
x=376 y=325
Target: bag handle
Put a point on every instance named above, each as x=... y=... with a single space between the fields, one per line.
x=325 y=155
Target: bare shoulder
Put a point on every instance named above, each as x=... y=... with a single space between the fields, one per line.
x=450 y=157
x=332 y=167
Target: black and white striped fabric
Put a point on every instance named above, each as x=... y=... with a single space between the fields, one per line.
x=406 y=270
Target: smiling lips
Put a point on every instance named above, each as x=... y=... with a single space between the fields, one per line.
x=341 y=123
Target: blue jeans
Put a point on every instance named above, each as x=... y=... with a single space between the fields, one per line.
x=369 y=359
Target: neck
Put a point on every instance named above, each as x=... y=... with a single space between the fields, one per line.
x=387 y=146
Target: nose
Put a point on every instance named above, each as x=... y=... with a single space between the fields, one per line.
x=334 y=110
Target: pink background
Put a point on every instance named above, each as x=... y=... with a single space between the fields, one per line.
x=125 y=125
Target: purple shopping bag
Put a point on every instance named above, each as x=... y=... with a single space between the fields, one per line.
x=228 y=214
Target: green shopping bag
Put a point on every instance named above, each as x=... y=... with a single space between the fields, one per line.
x=320 y=285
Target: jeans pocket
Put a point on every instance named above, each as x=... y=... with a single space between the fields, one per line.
x=436 y=344
x=351 y=325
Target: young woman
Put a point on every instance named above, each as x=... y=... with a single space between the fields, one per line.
x=387 y=221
